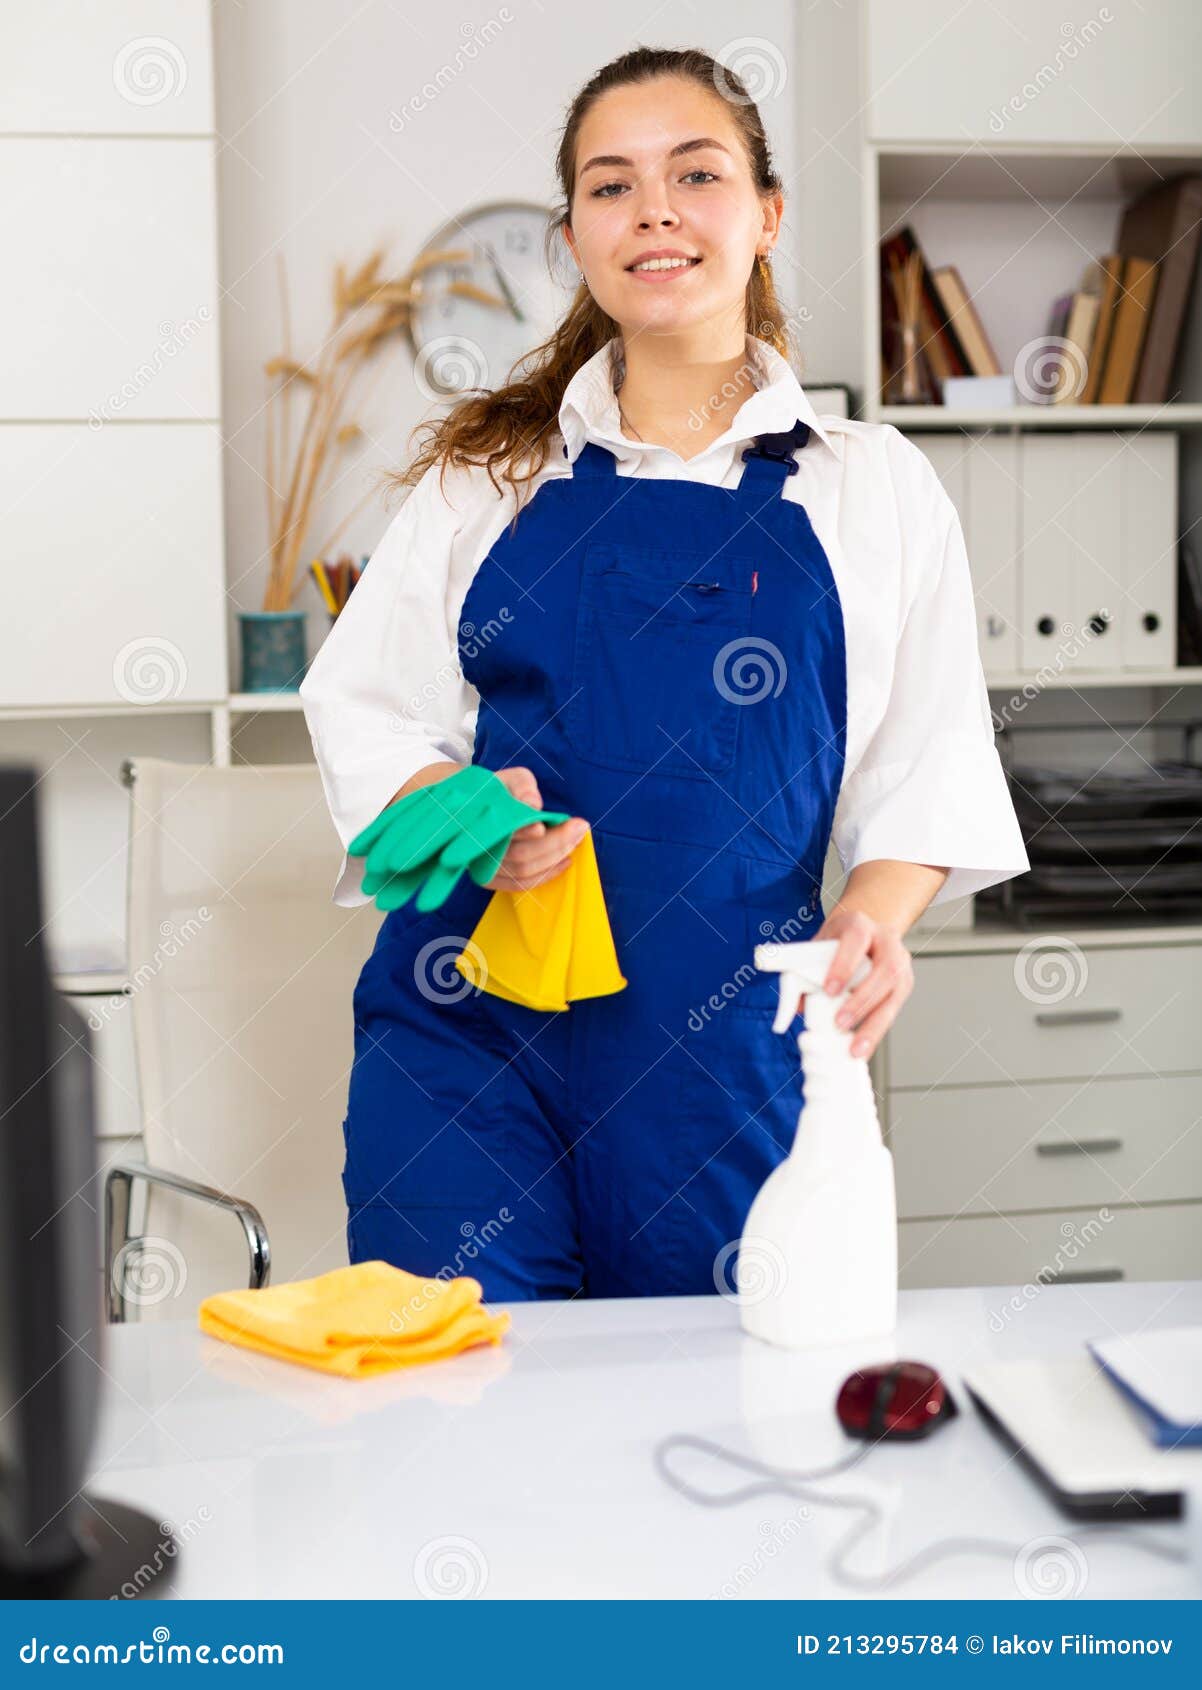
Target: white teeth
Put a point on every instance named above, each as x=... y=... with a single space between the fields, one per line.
x=664 y=264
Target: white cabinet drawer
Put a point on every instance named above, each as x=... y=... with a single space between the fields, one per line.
x=102 y=607
x=1050 y=1013
x=993 y=74
x=112 y=314
x=1163 y=1241
x=980 y=1149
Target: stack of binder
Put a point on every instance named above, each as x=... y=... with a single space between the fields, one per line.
x=1105 y=846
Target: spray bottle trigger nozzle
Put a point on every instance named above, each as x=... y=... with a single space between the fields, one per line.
x=791 y=988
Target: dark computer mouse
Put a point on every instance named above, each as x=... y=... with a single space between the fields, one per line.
x=898 y=1399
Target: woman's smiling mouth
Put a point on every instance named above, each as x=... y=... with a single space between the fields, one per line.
x=662 y=268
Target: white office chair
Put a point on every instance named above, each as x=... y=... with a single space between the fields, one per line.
x=241 y=971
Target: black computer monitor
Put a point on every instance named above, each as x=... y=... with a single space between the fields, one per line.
x=55 y=1540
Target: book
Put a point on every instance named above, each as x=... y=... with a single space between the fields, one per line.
x=960 y=311
x=1131 y=313
x=1074 y=361
x=1104 y=281
x=1163 y=224
x=941 y=344
x=1040 y=376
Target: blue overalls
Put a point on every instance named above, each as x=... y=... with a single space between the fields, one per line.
x=668 y=659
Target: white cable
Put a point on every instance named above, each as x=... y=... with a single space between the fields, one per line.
x=790 y=1481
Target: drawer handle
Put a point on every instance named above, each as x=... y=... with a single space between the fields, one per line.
x=1078 y=1147
x=1073 y=1017
x=1086 y=1276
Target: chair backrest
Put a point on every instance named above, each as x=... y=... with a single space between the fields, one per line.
x=242 y=972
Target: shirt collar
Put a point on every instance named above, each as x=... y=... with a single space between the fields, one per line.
x=589 y=408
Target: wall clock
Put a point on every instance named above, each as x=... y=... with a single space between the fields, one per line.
x=490 y=296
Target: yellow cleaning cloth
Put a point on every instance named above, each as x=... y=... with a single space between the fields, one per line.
x=547 y=944
x=358 y=1320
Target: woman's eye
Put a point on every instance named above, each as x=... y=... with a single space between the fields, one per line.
x=603 y=191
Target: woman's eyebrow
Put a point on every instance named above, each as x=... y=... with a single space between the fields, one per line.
x=616 y=160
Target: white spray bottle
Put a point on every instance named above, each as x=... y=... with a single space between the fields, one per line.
x=817 y=1260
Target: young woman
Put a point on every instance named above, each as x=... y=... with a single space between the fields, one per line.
x=647 y=586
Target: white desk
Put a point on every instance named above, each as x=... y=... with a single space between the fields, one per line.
x=536 y=1457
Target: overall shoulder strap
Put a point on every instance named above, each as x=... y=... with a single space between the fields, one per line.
x=594 y=460
x=769 y=460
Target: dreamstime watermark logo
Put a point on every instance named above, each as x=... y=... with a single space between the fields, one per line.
x=472 y=641
x=156 y=1650
x=450 y=1567
x=760 y=1270
x=475 y=1241
x=1073 y=643
x=475 y=38
x=171 y=941
x=174 y=338
x=148 y=1270
x=1050 y=1567
x=148 y=70
x=795 y=926
x=1049 y=969
x=1074 y=1240
x=171 y=1537
x=1074 y=40
x=449 y=364
x=743 y=382
x=1050 y=368
x=774 y=1537
x=750 y=669
x=436 y=976
x=726 y=993
x=149 y=670
x=759 y=65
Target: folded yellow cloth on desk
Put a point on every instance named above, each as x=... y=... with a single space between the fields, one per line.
x=548 y=944
x=358 y=1320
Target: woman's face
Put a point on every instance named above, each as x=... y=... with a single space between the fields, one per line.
x=700 y=203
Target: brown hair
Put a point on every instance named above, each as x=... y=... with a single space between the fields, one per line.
x=512 y=426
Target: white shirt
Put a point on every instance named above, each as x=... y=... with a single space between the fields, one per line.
x=922 y=779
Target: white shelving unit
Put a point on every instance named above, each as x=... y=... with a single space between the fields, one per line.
x=1021 y=216
x=1021 y=1110
x=975 y=203
x=1179 y=414
x=1181 y=676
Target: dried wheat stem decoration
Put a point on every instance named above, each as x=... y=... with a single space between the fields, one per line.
x=368 y=310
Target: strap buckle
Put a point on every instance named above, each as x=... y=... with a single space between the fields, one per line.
x=779 y=448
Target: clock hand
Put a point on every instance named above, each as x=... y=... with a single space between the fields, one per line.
x=502 y=283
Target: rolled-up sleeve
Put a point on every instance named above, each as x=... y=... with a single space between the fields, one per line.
x=929 y=786
x=384 y=696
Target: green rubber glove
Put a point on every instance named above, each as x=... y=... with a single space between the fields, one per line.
x=422 y=821
x=426 y=840
x=472 y=832
x=467 y=854
x=417 y=827
x=397 y=889
x=434 y=881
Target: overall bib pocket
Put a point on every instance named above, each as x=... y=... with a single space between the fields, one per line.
x=657 y=633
